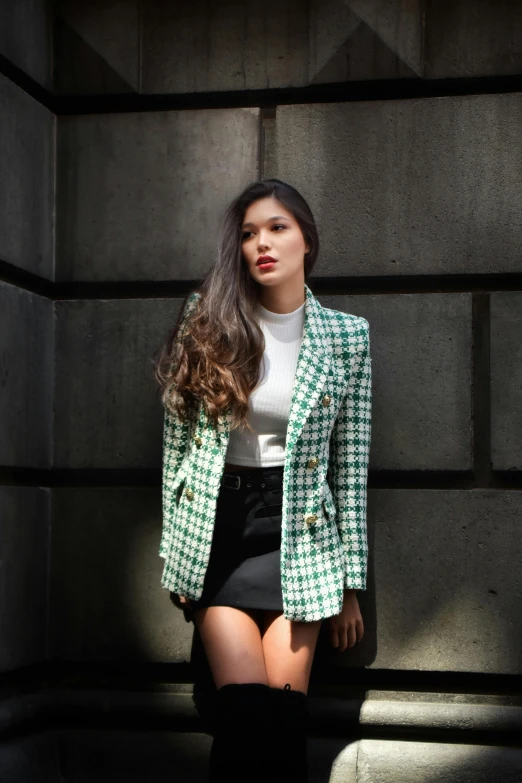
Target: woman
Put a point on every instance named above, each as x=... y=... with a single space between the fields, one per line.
x=267 y=399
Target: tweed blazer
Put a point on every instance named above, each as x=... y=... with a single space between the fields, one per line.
x=323 y=529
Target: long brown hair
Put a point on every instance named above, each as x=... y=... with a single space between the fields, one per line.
x=215 y=353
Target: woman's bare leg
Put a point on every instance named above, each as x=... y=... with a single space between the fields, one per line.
x=288 y=650
x=233 y=646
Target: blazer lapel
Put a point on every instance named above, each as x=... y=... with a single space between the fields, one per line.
x=313 y=364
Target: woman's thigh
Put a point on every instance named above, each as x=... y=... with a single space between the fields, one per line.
x=288 y=650
x=232 y=641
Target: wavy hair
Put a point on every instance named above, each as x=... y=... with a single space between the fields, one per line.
x=214 y=353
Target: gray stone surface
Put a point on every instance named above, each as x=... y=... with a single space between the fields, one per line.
x=107 y=602
x=97 y=52
x=444 y=582
x=421 y=348
x=364 y=39
x=407 y=187
x=506 y=380
x=234 y=46
x=108 y=412
x=24 y=533
x=140 y=194
x=26 y=378
x=27 y=181
x=473 y=38
x=26 y=36
x=111 y=757
x=379 y=761
x=256 y=46
x=415 y=713
x=30 y=759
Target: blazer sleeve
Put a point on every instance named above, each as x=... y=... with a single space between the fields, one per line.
x=175 y=440
x=350 y=450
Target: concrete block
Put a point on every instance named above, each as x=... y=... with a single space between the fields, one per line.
x=381 y=761
x=24 y=534
x=140 y=194
x=109 y=604
x=113 y=756
x=506 y=380
x=26 y=373
x=97 y=50
x=444 y=586
x=473 y=38
x=232 y=46
x=108 y=412
x=457 y=713
x=30 y=759
x=26 y=37
x=364 y=39
x=421 y=349
x=407 y=187
x=27 y=177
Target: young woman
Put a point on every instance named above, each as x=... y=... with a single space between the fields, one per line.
x=267 y=399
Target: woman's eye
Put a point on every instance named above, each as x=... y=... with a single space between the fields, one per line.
x=245 y=233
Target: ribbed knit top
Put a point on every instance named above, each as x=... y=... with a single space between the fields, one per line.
x=269 y=403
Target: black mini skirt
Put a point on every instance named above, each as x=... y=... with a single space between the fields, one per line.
x=244 y=567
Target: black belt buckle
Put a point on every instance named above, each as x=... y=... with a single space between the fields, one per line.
x=229 y=478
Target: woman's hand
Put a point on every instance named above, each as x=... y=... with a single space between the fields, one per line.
x=347 y=627
x=182 y=602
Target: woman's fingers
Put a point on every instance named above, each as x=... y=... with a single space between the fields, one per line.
x=351 y=635
x=344 y=636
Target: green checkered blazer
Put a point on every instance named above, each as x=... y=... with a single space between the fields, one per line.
x=323 y=535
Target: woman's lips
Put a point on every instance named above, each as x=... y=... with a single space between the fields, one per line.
x=264 y=262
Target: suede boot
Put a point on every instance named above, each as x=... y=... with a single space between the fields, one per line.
x=289 y=735
x=242 y=731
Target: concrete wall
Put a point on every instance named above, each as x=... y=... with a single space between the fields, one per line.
x=27 y=140
x=27 y=135
x=105 y=205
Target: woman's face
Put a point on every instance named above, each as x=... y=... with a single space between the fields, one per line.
x=271 y=230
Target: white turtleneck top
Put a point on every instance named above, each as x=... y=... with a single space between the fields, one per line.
x=269 y=403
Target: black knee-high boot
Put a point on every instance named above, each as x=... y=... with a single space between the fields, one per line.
x=241 y=732
x=289 y=732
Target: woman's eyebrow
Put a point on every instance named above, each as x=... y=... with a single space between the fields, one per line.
x=275 y=217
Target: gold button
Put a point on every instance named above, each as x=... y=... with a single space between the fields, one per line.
x=189 y=493
x=327 y=400
x=313 y=462
x=311 y=519
x=197 y=440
